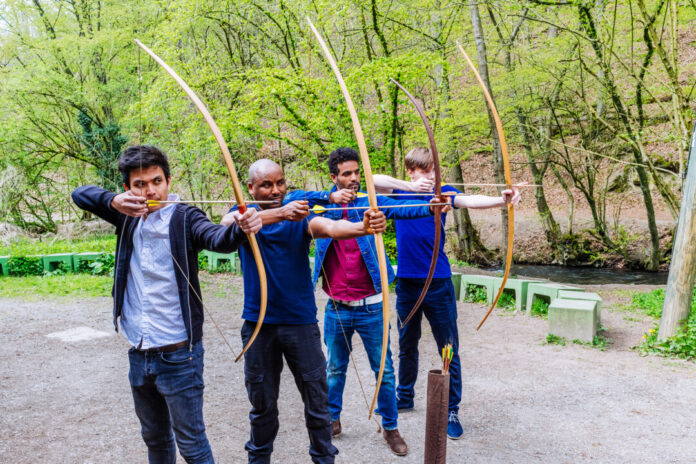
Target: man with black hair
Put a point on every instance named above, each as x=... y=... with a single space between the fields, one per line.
x=351 y=278
x=157 y=298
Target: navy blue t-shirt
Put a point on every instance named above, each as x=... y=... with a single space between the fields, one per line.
x=285 y=250
x=414 y=241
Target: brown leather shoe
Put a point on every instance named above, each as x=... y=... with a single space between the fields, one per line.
x=336 y=428
x=396 y=442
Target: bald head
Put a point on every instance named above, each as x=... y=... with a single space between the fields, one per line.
x=262 y=168
x=267 y=183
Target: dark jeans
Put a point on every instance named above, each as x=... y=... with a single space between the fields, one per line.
x=168 y=395
x=440 y=308
x=263 y=363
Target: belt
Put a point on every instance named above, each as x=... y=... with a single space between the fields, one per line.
x=165 y=348
x=372 y=299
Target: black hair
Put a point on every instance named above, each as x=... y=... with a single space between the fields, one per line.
x=341 y=155
x=141 y=156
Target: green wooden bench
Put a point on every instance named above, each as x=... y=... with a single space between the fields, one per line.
x=548 y=290
x=53 y=262
x=573 y=319
x=520 y=286
x=570 y=295
x=4 y=270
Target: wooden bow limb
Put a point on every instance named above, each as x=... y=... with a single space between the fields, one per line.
x=438 y=211
x=508 y=180
x=236 y=186
x=372 y=195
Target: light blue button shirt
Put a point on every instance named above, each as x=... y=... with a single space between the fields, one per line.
x=151 y=314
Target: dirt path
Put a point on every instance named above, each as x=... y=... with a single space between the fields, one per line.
x=69 y=402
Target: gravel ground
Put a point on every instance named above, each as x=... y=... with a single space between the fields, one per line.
x=523 y=401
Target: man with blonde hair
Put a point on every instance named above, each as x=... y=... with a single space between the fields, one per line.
x=414 y=242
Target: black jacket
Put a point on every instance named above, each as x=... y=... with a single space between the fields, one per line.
x=190 y=231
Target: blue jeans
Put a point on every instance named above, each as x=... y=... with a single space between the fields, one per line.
x=340 y=322
x=440 y=308
x=168 y=395
x=263 y=363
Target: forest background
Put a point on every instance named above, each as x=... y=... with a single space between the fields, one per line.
x=596 y=99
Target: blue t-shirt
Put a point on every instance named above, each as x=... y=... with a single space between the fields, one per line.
x=285 y=250
x=415 y=239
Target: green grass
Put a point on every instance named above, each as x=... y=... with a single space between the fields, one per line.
x=70 y=285
x=600 y=341
x=552 y=339
x=26 y=247
x=648 y=303
x=540 y=308
x=682 y=344
x=507 y=301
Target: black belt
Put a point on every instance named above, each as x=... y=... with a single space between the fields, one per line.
x=165 y=348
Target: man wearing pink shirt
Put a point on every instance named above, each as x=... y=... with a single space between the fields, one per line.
x=351 y=278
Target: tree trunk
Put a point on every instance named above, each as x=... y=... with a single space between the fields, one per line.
x=482 y=59
x=682 y=272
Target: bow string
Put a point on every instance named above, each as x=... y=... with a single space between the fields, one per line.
x=508 y=179
x=438 y=210
x=236 y=186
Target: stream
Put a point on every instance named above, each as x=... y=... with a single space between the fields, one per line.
x=585 y=275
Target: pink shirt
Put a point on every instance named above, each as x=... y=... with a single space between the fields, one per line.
x=346 y=276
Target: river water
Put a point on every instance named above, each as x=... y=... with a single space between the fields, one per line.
x=585 y=275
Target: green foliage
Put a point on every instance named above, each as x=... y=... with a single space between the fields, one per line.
x=74 y=89
x=600 y=341
x=103 y=265
x=26 y=247
x=24 y=266
x=649 y=303
x=476 y=294
x=389 y=237
x=506 y=301
x=540 y=308
x=552 y=339
x=202 y=261
x=73 y=285
x=680 y=345
x=102 y=145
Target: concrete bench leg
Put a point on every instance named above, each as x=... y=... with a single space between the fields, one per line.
x=549 y=290
x=573 y=319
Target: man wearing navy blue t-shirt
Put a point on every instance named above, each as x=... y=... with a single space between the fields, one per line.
x=414 y=242
x=290 y=327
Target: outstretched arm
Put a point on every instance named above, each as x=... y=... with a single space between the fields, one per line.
x=373 y=222
x=293 y=211
x=484 y=201
x=387 y=184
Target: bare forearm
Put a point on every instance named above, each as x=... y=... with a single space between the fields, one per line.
x=387 y=184
x=337 y=230
x=271 y=216
x=478 y=202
